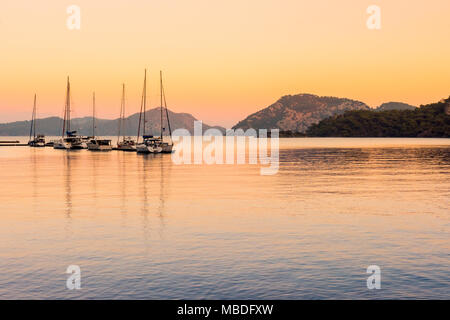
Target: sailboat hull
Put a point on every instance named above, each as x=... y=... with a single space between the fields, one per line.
x=78 y=146
x=167 y=148
x=126 y=148
x=33 y=144
x=96 y=147
x=126 y=145
x=62 y=145
x=143 y=148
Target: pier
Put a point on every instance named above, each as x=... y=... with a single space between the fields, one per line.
x=14 y=143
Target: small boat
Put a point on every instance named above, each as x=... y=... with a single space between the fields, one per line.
x=93 y=143
x=61 y=144
x=85 y=140
x=167 y=147
x=38 y=140
x=126 y=143
x=149 y=144
x=143 y=148
x=69 y=139
x=99 y=145
x=51 y=143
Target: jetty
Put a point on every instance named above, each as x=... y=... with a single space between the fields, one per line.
x=12 y=144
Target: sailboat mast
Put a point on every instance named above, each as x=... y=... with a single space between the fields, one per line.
x=33 y=115
x=66 y=109
x=93 y=115
x=161 y=109
x=34 y=118
x=145 y=96
x=123 y=112
x=140 y=113
x=167 y=113
x=68 y=104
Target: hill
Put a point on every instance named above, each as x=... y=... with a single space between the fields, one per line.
x=297 y=112
x=395 y=106
x=52 y=126
x=431 y=120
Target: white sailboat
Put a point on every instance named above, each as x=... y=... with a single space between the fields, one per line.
x=149 y=143
x=69 y=139
x=167 y=147
x=95 y=144
x=127 y=143
x=38 y=139
x=99 y=145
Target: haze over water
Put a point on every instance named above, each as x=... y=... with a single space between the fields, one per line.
x=142 y=227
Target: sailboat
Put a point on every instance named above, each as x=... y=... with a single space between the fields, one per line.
x=38 y=140
x=149 y=144
x=95 y=144
x=127 y=143
x=167 y=147
x=69 y=139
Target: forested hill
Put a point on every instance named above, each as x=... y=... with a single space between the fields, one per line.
x=432 y=120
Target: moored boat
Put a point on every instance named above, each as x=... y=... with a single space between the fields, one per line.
x=99 y=145
x=51 y=143
x=61 y=144
x=124 y=143
x=69 y=139
x=72 y=141
x=93 y=143
x=85 y=140
x=149 y=143
x=127 y=144
x=166 y=147
x=38 y=140
x=75 y=141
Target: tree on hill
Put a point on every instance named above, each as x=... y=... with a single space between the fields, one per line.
x=432 y=120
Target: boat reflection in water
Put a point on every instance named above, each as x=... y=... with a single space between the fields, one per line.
x=143 y=227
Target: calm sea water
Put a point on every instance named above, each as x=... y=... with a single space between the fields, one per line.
x=142 y=227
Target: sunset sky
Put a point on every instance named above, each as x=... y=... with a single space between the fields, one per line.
x=222 y=60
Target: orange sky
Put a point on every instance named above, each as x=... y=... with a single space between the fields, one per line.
x=222 y=60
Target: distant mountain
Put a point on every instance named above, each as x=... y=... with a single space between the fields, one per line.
x=431 y=120
x=297 y=112
x=53 y=126
x=395 y=106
